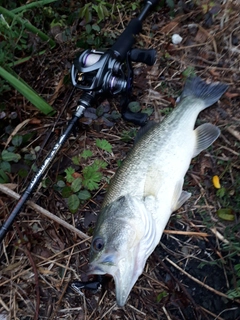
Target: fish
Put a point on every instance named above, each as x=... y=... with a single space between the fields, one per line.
x=148 y=187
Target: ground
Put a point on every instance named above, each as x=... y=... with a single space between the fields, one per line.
x=194 y=272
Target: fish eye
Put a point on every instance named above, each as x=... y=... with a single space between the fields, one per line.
x=98 y=244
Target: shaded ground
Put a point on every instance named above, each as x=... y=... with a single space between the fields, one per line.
x=191 y=272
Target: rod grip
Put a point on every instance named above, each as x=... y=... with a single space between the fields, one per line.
x=127 y=38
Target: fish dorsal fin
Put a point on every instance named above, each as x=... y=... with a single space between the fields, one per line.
x=143 y=130
x=206 y=134
x=179 y=196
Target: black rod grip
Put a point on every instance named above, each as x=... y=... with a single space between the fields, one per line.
x=127 y=38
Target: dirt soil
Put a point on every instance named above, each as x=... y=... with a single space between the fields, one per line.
x=191 y=272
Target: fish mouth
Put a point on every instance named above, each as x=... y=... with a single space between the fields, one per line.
x=125 y=274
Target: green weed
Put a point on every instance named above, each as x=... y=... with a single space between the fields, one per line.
x=77 y=184
x=17 y=153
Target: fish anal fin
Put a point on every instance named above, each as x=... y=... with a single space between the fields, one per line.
x=205 y=134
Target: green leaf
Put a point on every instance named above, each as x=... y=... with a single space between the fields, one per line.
x=3 y=177
x=170 y=3
x=91 y=178
x=104 y=145
x=96 y=27
x=119 y=163
x=134 y=106
x=100 y=110
x=188 y=72
x=86 y=154
x=17 y=140
x=66 y=192
x=88 y=28
x=46 y=183
x=161 y=295
x=23 y=173
x=148 y=111
x=76 y=160
x=84 y=195
x=99 y=10
x=10 y=156
x=115 y=115
x=73 y=203
x=99 y=164
x=27 y=92
x=237 y=269
x=76 y=185
x=221 y=192
x=84 y=9
x=85 y=12
x=61 y=184
x=234 y=293
x=30 y=156
x=69 y=174
x=104 y=10
x=5 y=166
x=226 y=214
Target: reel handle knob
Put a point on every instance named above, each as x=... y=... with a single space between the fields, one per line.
x=147 y=56
x=139 y=119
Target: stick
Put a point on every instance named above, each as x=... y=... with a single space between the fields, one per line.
x=45 y=212
x=200 y=282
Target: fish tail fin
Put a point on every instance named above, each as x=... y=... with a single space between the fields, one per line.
x=209 y=93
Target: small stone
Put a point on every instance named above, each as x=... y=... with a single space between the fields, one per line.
x=176 y=38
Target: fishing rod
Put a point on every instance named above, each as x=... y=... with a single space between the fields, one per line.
x=97 y=73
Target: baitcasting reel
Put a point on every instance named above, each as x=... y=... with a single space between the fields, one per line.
x=99 y=72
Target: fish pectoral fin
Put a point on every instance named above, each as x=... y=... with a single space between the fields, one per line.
x=179 y=196
x=206 y=134
x=182 y=199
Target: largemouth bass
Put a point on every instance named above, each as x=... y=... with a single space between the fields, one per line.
x=147 y=188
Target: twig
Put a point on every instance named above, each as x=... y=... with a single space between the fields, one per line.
x=234 y=132
x=187 y=233
x=212 y=314
x=4 y=305
x=200 y=282
x=166 y=313
x=59 y=301
x=219 y=235
x=28 y=254
x=45 y=212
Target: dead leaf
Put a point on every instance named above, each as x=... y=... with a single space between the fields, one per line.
x=11 y=186
x=169 y=27
x=205 y=164
x=35 y=121
x=12 y=267
x=201 y=36
x=45 y=271
x=15 y=131
x=231 y=95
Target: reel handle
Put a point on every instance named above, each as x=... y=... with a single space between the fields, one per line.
x=147 y=56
